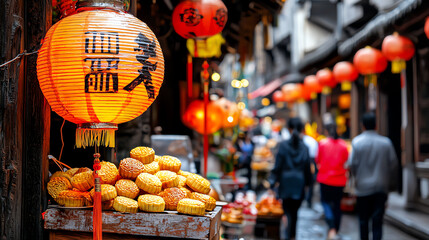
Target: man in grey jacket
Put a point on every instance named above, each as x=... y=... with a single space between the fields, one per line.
x=373 y=164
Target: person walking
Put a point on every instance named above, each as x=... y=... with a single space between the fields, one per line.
x=373 y=165
x=331 y=159
x=292 y=172
x=312 y=146
x=246 y=147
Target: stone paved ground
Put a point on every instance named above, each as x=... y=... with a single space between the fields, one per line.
x=311 y=226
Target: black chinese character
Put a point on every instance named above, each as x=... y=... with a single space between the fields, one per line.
x=148 y=50
x=101 y=79
x=220 y=17
x=191 y=17
x=102 y=42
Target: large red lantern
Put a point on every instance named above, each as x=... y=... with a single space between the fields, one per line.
x=194 y=117
x=369 y=60
x=278 y=96
x=326 y=80
x=312 y=85
x=398 y=49
x=199 y=18
x=99 y=69
x=345 y=73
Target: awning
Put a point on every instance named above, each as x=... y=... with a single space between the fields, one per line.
x=266 y=89
x=277 y=83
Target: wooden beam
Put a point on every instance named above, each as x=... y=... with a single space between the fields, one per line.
x=37 y=120
x=11 y=117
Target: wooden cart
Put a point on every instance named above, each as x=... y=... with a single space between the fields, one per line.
x=77 y=224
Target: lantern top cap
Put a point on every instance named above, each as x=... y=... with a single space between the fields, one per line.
x=118 y=5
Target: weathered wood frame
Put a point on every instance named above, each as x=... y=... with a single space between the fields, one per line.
x=160 y=225
x=24 y=120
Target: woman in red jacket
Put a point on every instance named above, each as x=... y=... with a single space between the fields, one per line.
x=331 y=158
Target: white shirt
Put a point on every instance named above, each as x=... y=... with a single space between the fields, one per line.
x=311 y=144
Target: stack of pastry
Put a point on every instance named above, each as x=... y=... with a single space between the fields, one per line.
x=142 y=181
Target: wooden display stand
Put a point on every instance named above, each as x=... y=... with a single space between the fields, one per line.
x=67 y=224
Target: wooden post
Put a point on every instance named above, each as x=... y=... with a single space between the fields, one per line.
x=37 y=122
x=11 y=117
x=354 y=111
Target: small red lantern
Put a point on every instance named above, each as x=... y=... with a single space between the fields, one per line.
x=369 y=60
x=199 y=18
x=231 y=114
x=292 y=92
x=345 y=73
x=67 y=7
x=194 y=117
x=312 y=85
x=398 y=49
x=306 y=94
x=427 y=27
x=326 y=80
x=278 y=96
x=344 y=101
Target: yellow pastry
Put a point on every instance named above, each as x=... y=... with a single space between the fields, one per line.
x=198 y=183
x=157 y=158
x=130 y=168
x=149 y=183
x=186 y=190
x=83 y=181
x=209 y=202
x=151 y=168
x=87 y=198
x=151 y=203
x=182 y=181
x=62 y=174
x=191 y=207
x=107 y=205
x=183 y=173
x=72 y=171
x=171 y=197
x=124 y=204
x=143 y=154
x=127 y=188
x=82 y=169
x=170 y=163
x=70 y=198
x=168 y=178
x=108 y=173
x=57 y=185
x=108 y=192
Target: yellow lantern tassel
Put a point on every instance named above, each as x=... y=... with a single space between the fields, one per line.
x=95 y=134
x=346 y=86
x=398 y=65
x=373 y=79
x=326 y=90
x=313 y=95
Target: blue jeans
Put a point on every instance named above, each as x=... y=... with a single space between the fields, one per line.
x=331 y=201
x=371 y=207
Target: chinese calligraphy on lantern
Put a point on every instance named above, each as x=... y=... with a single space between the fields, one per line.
x=102 y=77
x=147 y=48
